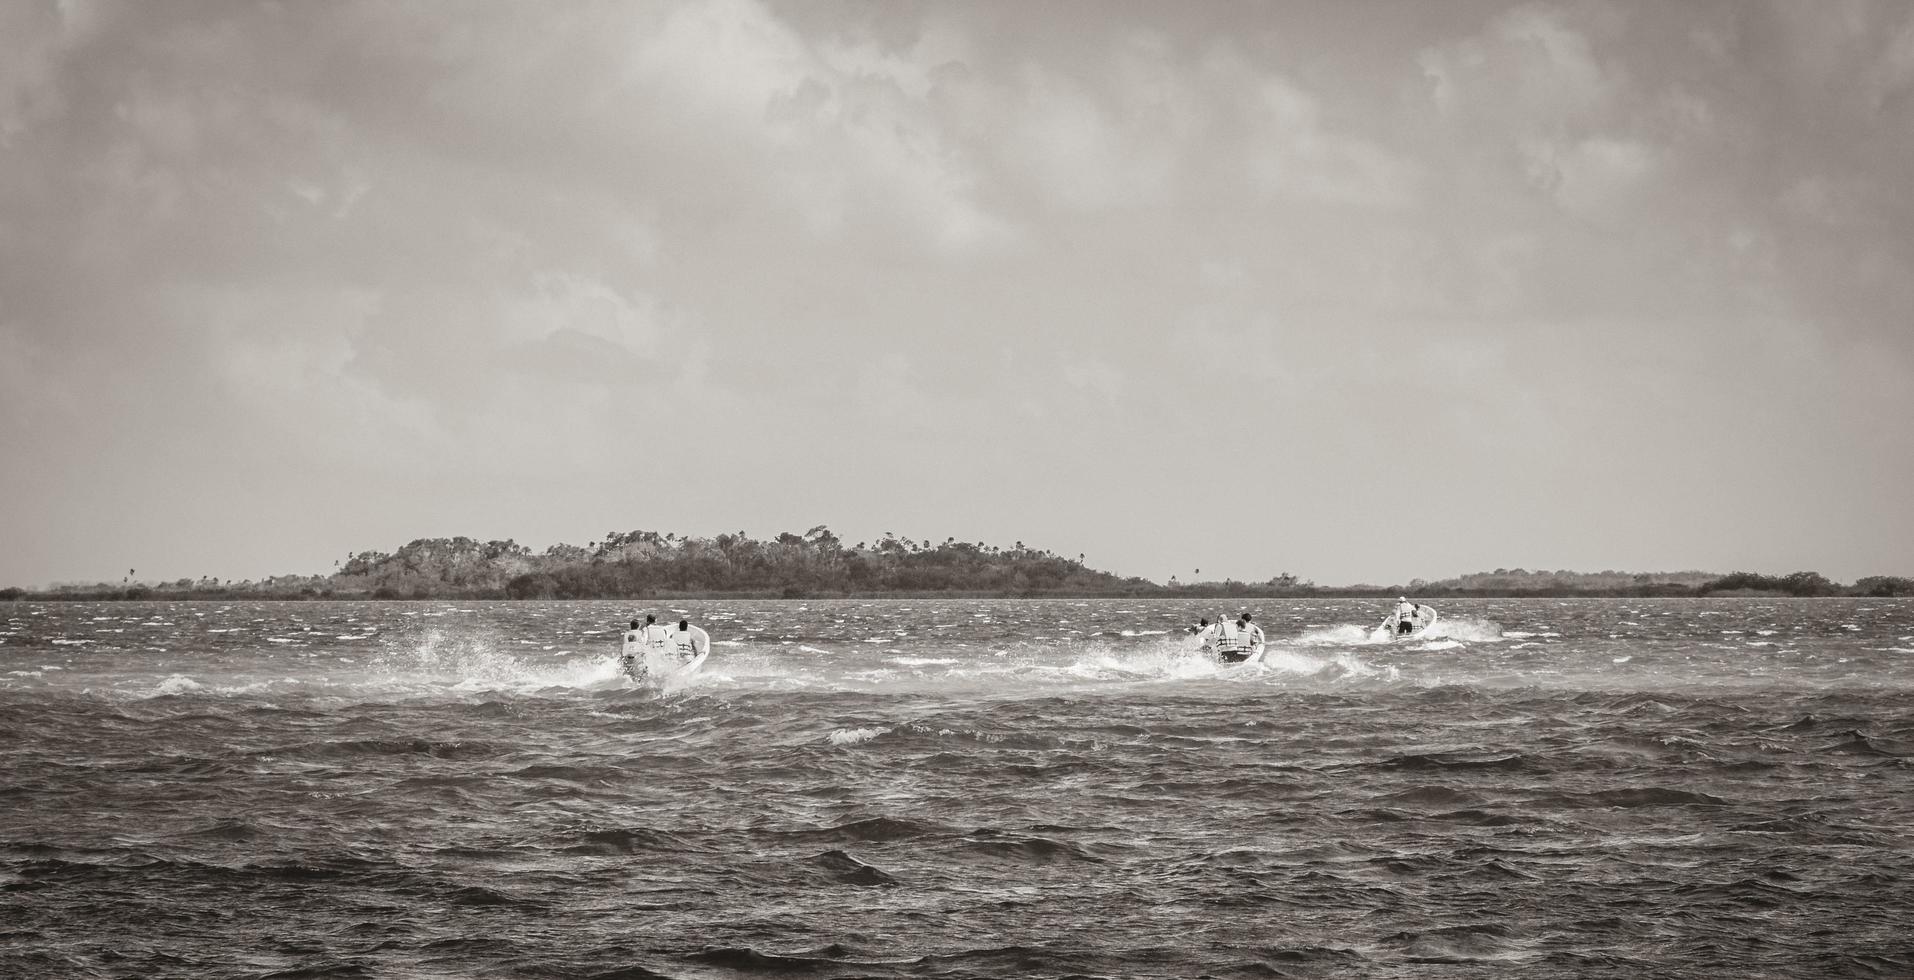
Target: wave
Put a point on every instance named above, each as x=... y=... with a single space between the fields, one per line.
x=618 y=843
x=1434 y=796
x=1457 y=761
x=1459 y=631
x=1646 y=796
x=454 y=660
x=875 y=829
x=744 y=959
x=177 y=684
x=1461 y=944
x=845 y=869
x=230 y=830
x=348 y=748
x=855 y=735
x=1857 y=743
x=1032 y=850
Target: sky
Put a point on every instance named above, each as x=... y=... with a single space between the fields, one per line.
x=1358 y=292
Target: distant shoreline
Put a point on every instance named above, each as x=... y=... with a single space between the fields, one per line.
x=646 y=565
x=144 y=594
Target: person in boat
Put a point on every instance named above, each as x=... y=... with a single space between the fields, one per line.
x=690 y=641
x=1405 y=616
x=641 y=642
x=628 y=654
x=1238 y=641
x=1205 y=633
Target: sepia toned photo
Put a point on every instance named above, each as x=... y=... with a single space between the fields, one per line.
x=956 y=489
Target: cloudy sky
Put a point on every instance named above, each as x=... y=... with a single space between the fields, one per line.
x=1361 y=292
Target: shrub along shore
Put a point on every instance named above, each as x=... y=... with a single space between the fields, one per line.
x=816 y=564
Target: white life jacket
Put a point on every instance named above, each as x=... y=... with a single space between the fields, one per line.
x=1406 y=610
x=1233 y=637
x=655 y=637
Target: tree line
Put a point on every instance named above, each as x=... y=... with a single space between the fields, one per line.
x=639 y=564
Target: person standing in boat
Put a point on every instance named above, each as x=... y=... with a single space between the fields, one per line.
x=1405 y=615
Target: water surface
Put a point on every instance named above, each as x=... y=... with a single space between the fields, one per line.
x=957 y=788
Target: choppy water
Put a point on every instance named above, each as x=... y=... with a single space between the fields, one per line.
x=1537 y=788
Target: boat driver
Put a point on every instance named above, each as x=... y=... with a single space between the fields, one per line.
x=1405 y=615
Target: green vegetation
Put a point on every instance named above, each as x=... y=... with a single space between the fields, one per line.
x=646 y=563
x=1522 y=581
x=637 y=564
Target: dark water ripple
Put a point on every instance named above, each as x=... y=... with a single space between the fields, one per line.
x=957 y=789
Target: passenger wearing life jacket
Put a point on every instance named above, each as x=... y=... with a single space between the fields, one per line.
x=641 y=642
x=1405 y=615
x=690 y=641
x=1238 y=641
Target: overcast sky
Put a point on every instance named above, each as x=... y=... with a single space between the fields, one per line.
x=1358 y=291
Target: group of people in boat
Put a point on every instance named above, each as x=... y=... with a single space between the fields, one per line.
x=1232 y=641
x=1238 y=640
x=642 y=642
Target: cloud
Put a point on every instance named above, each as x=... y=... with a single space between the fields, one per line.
x=1531 y=63
x=891 y=257
x=843 y=126
x=1592 y=178
x=1117 y=136
x=1095 y=377
x=1148 y=125
x=1291 y=154
x=33 y=39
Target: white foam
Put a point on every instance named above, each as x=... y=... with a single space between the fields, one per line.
x=1342 y=635
x=177 y=684
x=852 y=736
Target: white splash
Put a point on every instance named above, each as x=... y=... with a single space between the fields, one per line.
x=177 y=684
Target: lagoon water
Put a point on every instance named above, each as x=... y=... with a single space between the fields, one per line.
x=958 y=788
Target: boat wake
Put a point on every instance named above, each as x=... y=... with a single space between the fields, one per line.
x=442 y=662
x=1451 y=632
